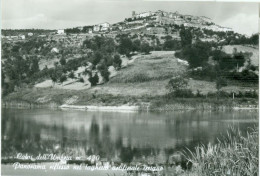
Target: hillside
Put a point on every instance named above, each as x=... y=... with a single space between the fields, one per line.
x=149 y=75
x=140 y=59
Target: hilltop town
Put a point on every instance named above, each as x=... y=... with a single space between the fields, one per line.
x=134 y=61
x=152 y=23
x=159 y=22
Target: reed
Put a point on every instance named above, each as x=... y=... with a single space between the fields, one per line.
x=235 y=155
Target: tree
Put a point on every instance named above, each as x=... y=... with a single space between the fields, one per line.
x=197 y=55
x=228 y=62
x=53 y=78
x=220 y=82
x=171 y=45
x=136 y=45
x=81 y=80
x=55 y=74
x=145 y=48
x=125 y=46
x=97 y=57
x=93 y=80
x=34 y=66
x=168 y=37
x=117 y=62
x=186 y=36
x=102 y=67
x=254 y=39
x=63 y=78
x=177 y=83
x=71 y=75
x=62 y=61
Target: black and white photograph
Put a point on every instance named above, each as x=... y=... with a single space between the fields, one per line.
x=129 y=88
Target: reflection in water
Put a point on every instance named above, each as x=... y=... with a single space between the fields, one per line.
x=151 y=138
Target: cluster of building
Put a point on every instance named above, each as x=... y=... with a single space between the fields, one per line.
x=101 y=27
x=163 y=18
x=17 y=37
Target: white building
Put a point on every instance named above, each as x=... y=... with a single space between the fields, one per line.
x=60 y=31
x=96 y=28
x=104 y=29
x=22 y=37
x=102 y=26
x=30 y=34
x=144 y=14
x=105 y=25
x=54 y=50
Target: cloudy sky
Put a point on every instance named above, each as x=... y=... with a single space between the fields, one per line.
x=58 y=14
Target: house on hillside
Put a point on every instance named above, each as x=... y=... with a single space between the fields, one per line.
x=14 y=37
x=96 y=28
x=60 y=31
x=87 y=29
x=30 y=34
x=104 y=29
x=101 y=27
x=106 y=24
x=141 y=15
x=22 y=37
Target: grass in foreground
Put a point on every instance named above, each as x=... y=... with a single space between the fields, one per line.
x=234 y=155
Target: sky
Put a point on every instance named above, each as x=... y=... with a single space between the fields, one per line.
x=59 y=14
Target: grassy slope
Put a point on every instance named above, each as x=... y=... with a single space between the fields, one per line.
x=149 y=75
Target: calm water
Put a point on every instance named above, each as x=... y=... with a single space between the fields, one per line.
x=150 y=138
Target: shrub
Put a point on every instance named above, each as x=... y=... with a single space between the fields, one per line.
x=117 y=61
x=177 y=83
x=136 y=45
x=196 y=54
x=102 y=67
x=63 y=78
x=81 y=80
x=145 y=48
x=181 y=93
x=71 y=75
x=62 y=61
x=220 y=82
x=171 y=45
x=186 y=36
x=244 y=76
x=93 y=80
x=125 y=46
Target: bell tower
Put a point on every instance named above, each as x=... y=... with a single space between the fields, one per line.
x=133 y=14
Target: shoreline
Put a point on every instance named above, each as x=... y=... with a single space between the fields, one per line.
x=125 y=108
x=148 y=107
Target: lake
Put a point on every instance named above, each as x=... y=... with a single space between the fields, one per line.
x=153 y=138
